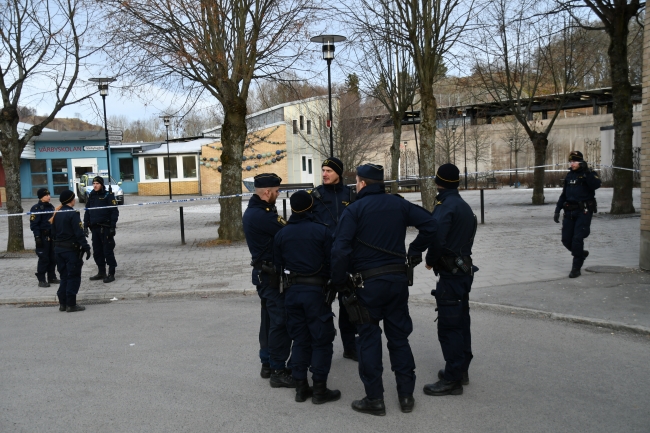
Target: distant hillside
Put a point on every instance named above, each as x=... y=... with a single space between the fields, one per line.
x=64 y=124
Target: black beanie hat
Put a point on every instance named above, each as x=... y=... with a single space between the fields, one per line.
x=301 y=201
x=448 y=176
x=576 y=156
x=335 y=164
x=42 y=192
x=98 y=179
x=66 y=196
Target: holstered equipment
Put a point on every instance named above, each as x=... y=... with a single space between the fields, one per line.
x=585 y=206
x=456 y=265
x=267 y=268
x=357 y=313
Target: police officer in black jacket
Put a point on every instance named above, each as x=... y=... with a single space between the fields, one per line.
x=578 y=200
x=451 y=260
x=370 y=236
x=330 y=199
x=102 y=223
x=69 y=245
x=261 y=222
x=301 y=254
x=39 y=224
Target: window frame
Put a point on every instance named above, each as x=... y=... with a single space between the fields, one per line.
x=161 y=167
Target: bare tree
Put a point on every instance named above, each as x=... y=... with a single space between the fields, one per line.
x=615 y=18
x=216 y=47
x=517 y=140
x=479 y=148
x=523 y=57
x=449 y=137
x=44 y=44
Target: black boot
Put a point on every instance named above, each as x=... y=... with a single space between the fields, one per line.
x=443 y=387
x=463 y=381
x=282 y=379
x=303 y=390
x=406 y=402
x=74 y=308
x=62 y=307
x=351 y=354
x=324 y=395
x=43 y=284
x=575 y=273
x=266 y=371
x=109 y=278
x=53 y=280
x=101 y=274
x=370 y=406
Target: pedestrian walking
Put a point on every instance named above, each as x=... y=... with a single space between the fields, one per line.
x=100 y=218
x=39 y=223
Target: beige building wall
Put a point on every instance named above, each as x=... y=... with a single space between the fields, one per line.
x=644 y=256
x=162 y=188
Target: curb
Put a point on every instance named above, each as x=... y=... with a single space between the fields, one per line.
x=539 y=314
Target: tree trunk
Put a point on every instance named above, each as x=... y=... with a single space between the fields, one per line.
x=622 y=107
x=394 y=149
x=11 y=151
x=428 y=108
x=540 y=144
x=233 y=138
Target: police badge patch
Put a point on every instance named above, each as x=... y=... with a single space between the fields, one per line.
x=281 y=220
x=32 y=218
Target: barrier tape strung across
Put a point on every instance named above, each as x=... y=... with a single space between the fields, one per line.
x=218 y=197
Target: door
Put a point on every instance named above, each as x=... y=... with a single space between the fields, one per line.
x=79 y=167
x=306 y=169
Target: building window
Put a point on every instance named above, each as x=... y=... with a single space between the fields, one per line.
x=151 y=168
x=309 y=127
x=173 y=170
x=60 y=175
x=189 y=167
x=304 y=163
x=302 y=123
x=295 y=126
x=126 y=169
x=38 y=168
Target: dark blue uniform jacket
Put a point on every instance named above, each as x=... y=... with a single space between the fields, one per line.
x=41 y=221
x=261 y=222
x=106 y=217
x=578 y=186
x=67 y=227
x=303 y=246
x=334 y=199
x=456 y=226
x=378 y=219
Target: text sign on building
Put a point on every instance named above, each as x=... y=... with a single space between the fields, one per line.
x=94 y=148
x=115 y=132
x=114 y=143
x=115 y=137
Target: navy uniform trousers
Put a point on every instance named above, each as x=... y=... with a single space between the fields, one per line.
x=70 y=266
x=348 y=330
x=103 y=249
x=310 y=323
x=452 y=299
x=386 y=298
x=576 y=226
x=46 y=259
x=275 y=344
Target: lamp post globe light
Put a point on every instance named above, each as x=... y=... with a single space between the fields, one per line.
x=102 y=84
x=328 y=55
x=167 y=121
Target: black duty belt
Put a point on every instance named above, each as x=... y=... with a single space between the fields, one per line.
x=309 y=281
x=67 y=244
x=390 y=269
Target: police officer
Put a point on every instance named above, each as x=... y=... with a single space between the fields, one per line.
x=261 y=222
x=578 y=199
x=40 y=225
x=370 y=235
x=330 y=199
x=450 y=257
x=301 y=252
x=69 y=244
x=101 y=223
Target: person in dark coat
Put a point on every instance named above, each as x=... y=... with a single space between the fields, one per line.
x=261 y=223
x=100 y=218
x=69 y=245
x=370 y=239
x=578 y=200
x=451 y=259
x=301 y=253
x=330 y=200
x=39 y=223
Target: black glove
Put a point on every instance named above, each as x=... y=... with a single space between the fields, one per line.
x=39 y=241
x=584 y=166
x=87 y=254
x=111 y=231
x=556 y=217
x=86 y=231
x=415 y=260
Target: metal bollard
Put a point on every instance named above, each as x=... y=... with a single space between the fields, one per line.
x=182 y=227
x=284 y=208
x=482 y=208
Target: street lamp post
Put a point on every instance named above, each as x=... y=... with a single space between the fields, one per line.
x=510 y=171
x=102 y=84
x=167 y=121
x=465 y=145
x=328 y=55
x=453 y=130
